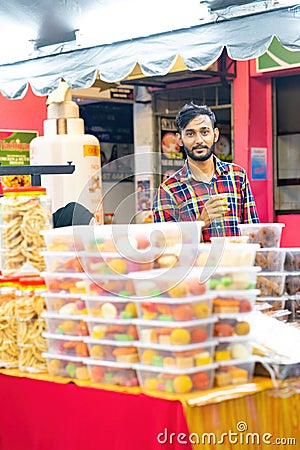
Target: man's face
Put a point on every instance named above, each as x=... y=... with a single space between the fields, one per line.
x=198 y=138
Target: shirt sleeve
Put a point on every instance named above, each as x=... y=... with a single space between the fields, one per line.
x=249 y=207
x=165 y=208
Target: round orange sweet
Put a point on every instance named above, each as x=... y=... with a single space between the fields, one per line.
x=196 y=287
x=183 y=312
x=223 y=330
x=182 y=384
x=199 y=335
x=97 y=373
x=131 y=308
x=180 y=336
x=200 y=380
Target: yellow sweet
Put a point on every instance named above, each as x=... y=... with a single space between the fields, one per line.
x=180 y=336
x=182 y=384
x=148 y=355
x=179 y=290
x=117 y=265
x=151 y=383
x=54 y=366
x=201 y=310
x=131 y=308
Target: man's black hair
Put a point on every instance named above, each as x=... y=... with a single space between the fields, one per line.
x=189 y=111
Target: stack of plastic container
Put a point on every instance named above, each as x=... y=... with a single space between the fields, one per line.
x=175 y=329
x=271 y=258
x=292 y=282
x=66 y=309
x=112 y=252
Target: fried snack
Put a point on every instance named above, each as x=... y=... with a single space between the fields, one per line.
x=31 y=326
x=23 y=219
x=8 y=332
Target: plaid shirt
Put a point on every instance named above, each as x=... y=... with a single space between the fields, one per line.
x=182 y=198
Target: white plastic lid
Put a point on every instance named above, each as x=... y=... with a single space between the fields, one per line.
x=63 y=357
x=179 y=348
x=272 y=274
x=237 y=362
x=53 y=315
x=106 y=298
x=80 y=275
x=187 y=371
x=108 y=321
x=91 y=340
x=174 y=324
x=176 y=300
x=62 y=337
x=97 y=362
x=64 y=295
x=259 y=225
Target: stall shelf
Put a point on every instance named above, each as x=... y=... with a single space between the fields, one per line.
x=43 y=413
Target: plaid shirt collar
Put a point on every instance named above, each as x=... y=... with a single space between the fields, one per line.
x=222 y=168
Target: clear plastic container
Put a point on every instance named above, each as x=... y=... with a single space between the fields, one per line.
x=264 y=234
x=115 y=330
x=140 y=240
x=175 y=333
x=65 y=325
x=292 y=259
x=233 y=348
x=220 y=253
x=66 y=366
x=174 y=309
x=72 y=283
x=64 y=239
x=65 y=303
x=100 y=263
x=64 y=262
x=271 y=284
x=25 y=212
x=234 y=278
x=66 y=345
x=112 y=373
x=236 y=325
x=175 y=381
x=110 y=307
x=174 y=283
x=106 y=285
x=275 y=303
x=177 y=357
x=270 y=259
x=234 y=372
x=232 y=302
x=292 y=283
x=117 y=351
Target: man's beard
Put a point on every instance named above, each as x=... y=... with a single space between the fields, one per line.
x=204 y=157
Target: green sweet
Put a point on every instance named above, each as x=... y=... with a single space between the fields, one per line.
x=213 y=283
x=123 y=337
x=158 y=361
x=71 y=369
x=169 y=386
x=126 y=315
x=124 y=294
x=166 y=317
x=226 y=281
x=155 y=293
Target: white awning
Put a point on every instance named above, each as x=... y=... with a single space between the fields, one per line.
x=244 y=36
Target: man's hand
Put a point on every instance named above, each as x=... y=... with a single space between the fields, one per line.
x=215 y=208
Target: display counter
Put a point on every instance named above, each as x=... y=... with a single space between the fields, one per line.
x=43 y=413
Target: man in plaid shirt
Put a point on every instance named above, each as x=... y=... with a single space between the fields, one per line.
x=205 y=188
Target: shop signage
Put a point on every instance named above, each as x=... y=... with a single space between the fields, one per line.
x=14 y=151
x=277 y=57
x=258 y=163
x=122 y=93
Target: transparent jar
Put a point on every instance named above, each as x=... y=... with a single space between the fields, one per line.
x=8 y=324
x=25 y=212
x=31 y=326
